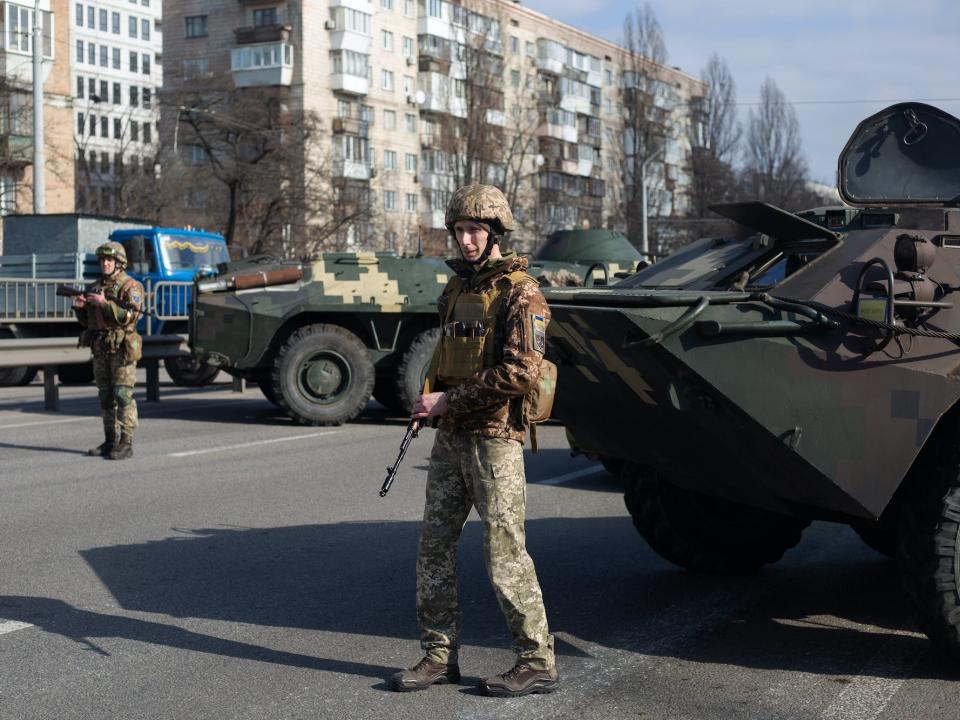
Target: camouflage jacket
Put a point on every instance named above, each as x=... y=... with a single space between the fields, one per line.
x=104 y=328
x=491 y=402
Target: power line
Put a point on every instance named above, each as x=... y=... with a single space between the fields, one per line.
x=855 y=102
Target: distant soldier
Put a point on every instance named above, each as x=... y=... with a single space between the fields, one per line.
x=108 y=315
x=486 y=366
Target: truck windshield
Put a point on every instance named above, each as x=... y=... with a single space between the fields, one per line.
x=190 y=252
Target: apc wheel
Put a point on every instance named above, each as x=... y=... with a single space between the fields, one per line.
x=187 y=372
x=265 y=383
x=323 y=375
x=704 y=533
x=880 y=538
x=928 y=552
x=385 y=392
x=412 y=370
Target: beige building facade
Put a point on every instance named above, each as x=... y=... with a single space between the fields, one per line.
x=395 y=84
x=16 y=108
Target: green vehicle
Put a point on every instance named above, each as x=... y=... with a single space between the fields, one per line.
x=803 y=370
x=320 y=337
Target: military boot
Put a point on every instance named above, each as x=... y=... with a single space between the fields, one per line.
x=424 y=674
x=123 y=449
x=521 y=680
x=106 y=447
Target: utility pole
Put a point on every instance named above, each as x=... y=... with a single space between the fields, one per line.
x=39 y=187
x=645 y=243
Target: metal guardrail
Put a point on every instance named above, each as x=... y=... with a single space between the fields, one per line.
x=64 y=350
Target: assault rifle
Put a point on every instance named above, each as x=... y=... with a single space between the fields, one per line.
x=66 y=290
x=412 y=430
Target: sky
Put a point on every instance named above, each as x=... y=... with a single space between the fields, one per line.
x=836 y=61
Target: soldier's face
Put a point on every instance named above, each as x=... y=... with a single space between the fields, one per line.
x=107 y=265
x=472 y=238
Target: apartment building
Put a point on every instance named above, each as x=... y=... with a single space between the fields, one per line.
x=115 y=77
x=16 y=107
x=420 y=95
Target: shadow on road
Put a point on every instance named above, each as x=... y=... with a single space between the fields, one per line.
x=826 y=610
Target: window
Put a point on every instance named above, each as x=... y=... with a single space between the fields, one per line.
x=343 y=108
x=91 y=54
x=147 y=97
x=81 y=123
x=91 y=87
x=389 y=120
x=410 y=123
x=410 y=163
x=133 y=26
x=389 y=159
x=103 y=21
x=93 y=125
x=387 y=5
x=514 y=44
x=265 y=17
x=411 y=202
x=196 y=67
x=390 y=200
x=386 y=40
x=347 y=62
x=79 y=87
x=408 y=47
x=408 y=8
x=145 y=29
x=366 y=114
x=348 y=19
x=134 y=57
x=103 y=94
x=515 y=78
x=79 y=19
x=194 y=154
x=117 y=130
x=435 y=8
x=115 y=23
x=408 y=85
x=145 y=63
x=79 y=52
x=116 y=93
x=134 y=96
x=104 y=56
x=104 y=126
x=147 y=130
x=116 y=58
x=134 y=131
x=196 y=26
x=91 y=17
x=386 y=80
x=529 y=49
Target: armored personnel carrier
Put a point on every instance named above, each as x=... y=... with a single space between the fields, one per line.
x=805 y=369
x=320 y=336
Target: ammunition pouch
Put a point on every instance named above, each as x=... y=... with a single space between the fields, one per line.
x=538 y=403
x=132 y=347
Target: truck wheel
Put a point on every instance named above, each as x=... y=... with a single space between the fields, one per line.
x=928 y=552
x=412 y=370
x=323 y=375
x=704 y=533
x=385 y=392
x=187 y=372
x=22 y=375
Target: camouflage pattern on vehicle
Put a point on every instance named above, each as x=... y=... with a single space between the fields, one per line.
x=319 y=337
x=803 y=370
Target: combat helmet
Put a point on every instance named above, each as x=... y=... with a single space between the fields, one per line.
x=113 y=250
x=483 y=203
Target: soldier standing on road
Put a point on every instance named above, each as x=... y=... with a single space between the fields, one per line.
x=486 y=365
x=108 y=315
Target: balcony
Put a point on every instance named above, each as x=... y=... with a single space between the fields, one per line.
x=428 y=25
x=550 y=65
x=16 y=150
x=263 y=34
x=567 y=133
x=354 y=170
x=264 y=64
x=351 y=84
x=350 y=126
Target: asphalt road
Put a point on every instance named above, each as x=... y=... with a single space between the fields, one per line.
x=241 y=566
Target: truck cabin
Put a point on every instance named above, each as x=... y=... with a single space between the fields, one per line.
x=170 y=253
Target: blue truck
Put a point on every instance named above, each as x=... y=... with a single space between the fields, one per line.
x=41 y=251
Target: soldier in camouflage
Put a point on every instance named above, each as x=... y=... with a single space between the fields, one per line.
x=487 y=362
x=108 y=314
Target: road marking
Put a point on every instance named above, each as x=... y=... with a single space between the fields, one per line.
x=9 y=626
x=42 y=422
x=189 y=453
x=592 y=470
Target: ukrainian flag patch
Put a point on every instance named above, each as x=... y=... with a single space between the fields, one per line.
x=538 y=333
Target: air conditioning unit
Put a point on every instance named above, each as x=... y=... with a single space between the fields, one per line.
x=411 y=100
x=329 y=25
x=411 y=61
x=373 y=172
x=416 y=178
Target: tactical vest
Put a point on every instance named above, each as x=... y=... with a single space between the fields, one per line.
x=468 y=345
x=103 y=337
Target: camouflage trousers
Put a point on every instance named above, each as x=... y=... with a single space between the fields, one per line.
x=115 y=379
x=486 y=473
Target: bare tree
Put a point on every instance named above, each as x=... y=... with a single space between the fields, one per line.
x=714 y=134
x=774 y=169
x=648 y=110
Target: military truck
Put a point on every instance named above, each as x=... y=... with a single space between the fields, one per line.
x=805 y=369
x=319 y=337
